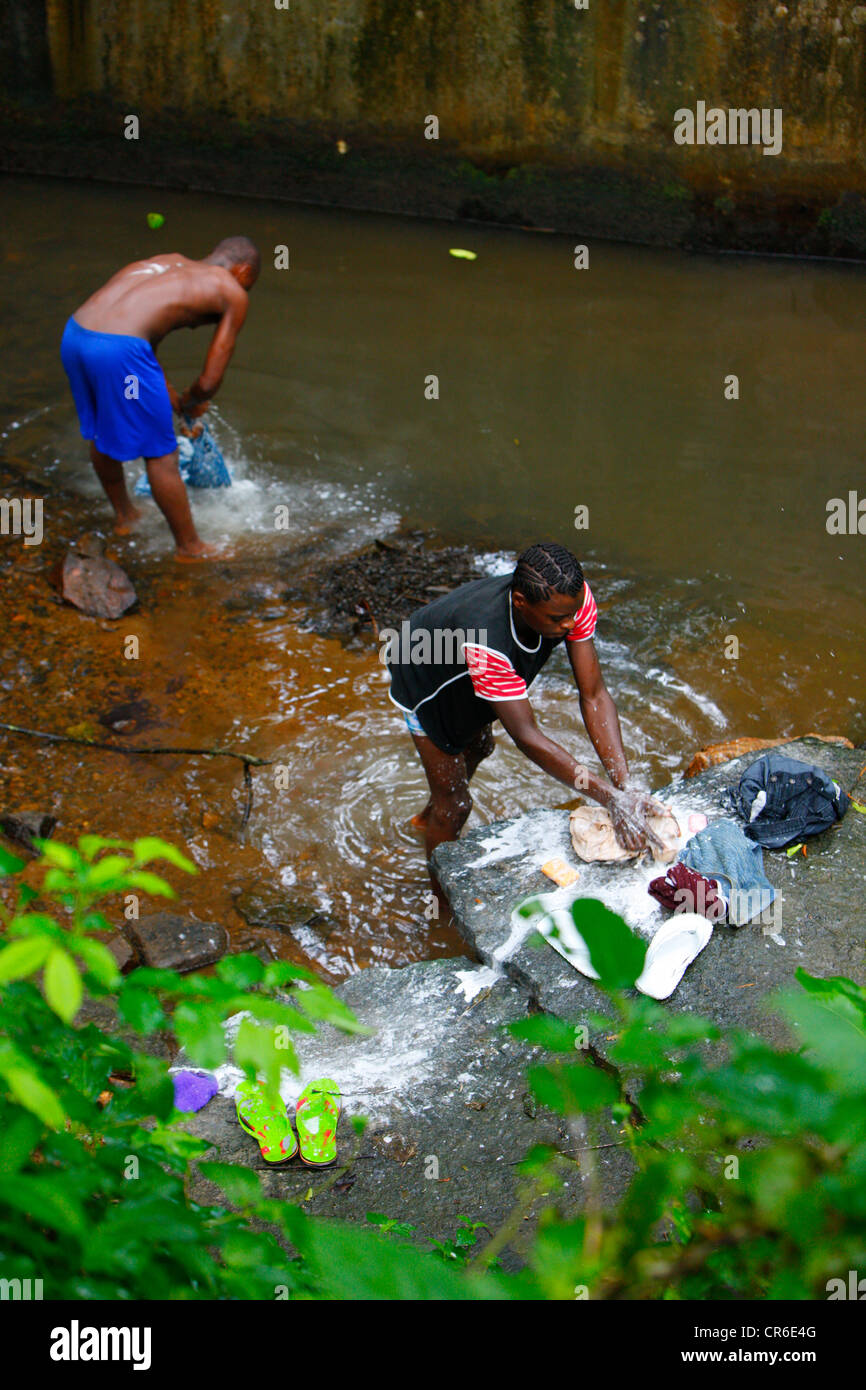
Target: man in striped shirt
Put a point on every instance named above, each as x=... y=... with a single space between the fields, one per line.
x=499 y=633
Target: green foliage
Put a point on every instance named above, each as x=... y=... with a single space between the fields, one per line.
x=749 y=1161
x=93 y=1159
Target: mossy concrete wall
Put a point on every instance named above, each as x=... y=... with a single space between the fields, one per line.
x=537 y=89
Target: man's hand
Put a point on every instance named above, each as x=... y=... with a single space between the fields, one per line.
x=629 y=812
x=191 y=408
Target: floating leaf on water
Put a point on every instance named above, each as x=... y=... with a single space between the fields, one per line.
x=155 y=220
x=461 y=254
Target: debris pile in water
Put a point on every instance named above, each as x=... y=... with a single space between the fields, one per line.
x=380 y=585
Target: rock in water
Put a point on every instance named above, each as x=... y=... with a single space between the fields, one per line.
x=166 y=941
x=95 y=585
x=123 y=953
x=26 y=826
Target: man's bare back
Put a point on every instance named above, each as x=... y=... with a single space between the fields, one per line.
x=147 y=300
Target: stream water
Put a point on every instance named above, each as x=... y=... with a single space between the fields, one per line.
x=558 y=389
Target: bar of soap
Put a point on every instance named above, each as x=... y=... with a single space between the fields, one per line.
x=560 y=872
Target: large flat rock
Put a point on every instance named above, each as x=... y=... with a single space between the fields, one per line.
x=444 y=1088
x=817 y=921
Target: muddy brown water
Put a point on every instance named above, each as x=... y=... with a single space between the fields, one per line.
x=558 y=389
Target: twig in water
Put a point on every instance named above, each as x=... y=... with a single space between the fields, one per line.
x=246 y=758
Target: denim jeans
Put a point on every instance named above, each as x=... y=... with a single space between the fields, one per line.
x=722 y=852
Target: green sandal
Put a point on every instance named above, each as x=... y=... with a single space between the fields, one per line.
x=265 y=1118
x=316 y=1115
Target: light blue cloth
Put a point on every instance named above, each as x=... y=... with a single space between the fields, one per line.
x=721 y=851
x=199 y=461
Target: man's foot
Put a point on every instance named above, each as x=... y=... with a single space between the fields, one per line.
x=419 y=822
x=201 y=552
x=126 y=522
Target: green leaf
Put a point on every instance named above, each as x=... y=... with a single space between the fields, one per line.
x=240 y=971
x=90 y=845
x=833 y=1028
x=57 y=881
x=256 y=1051
x=550 y=1032
x=26 y=895
x=9 y=864
x=112 y=867
x=572 y=1090
x=31 y=1092
x=616 y=953
x=149 y=847
x=199 y=1030
x=140 y=1009
x=240 y=1185
x=62 y=982
x=20 y=1137
x=43 y=1202
x=149 y=883
x=64 y=856
x=351 y=1263
x=22 y=958
x=98 y=960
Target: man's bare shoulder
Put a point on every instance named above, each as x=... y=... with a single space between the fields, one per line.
x=155 y=266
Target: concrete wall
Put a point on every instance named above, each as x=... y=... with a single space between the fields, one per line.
x=516 y=84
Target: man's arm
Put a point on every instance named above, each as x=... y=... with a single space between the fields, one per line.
x=194 y=401
x=518 y=720
x=628 y=809
x=598 y=710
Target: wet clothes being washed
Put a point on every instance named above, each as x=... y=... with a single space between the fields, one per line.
x=683 y=890
x=200 y=463
x=722 y=852
x=594 y=838
x=785 y=800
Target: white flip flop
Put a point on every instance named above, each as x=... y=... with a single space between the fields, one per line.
x=673 y=948
x=569 y=943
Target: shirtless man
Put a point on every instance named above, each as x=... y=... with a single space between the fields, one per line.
x=123 y=397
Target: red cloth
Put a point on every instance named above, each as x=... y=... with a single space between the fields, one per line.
x=683 y=890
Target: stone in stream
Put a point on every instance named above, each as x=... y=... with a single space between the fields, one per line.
x=815 y=922
x=95 y=585
x=23 y=827
x=267 y=906
x=124 y=953
x=443 y=1086
x=264 y=906
x=166 y=941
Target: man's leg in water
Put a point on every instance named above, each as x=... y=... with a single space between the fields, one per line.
x=110 y=474
x=479 y=748
x=448 y=778
x=169 y=494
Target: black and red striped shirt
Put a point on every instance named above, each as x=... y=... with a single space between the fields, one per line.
x=460 y=655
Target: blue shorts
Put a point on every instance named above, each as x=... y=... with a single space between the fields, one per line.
x=413 y=724
x=120 y=393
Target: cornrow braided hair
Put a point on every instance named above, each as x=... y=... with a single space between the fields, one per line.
x=547 y=569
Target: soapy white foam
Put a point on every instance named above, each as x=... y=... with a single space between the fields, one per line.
x=530 y=841
x=497 y=562
x=472 y=982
